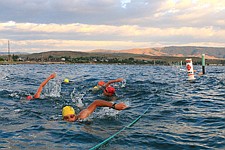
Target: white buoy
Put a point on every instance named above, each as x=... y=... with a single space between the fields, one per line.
x=190 y=69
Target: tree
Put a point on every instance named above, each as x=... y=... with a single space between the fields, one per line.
x=15 y=57
x=1 y=59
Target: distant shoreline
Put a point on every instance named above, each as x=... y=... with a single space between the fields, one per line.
x=173 y=56
x=50 y=63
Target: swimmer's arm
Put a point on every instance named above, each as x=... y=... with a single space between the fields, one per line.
x=39 y=90
x=113 y=81
x=99 y=103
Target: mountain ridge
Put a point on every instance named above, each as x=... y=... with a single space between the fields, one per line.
x=176 y=51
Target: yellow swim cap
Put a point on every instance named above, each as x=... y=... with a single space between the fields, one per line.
x=68 y=110
x=66 y=80
x=96 y=87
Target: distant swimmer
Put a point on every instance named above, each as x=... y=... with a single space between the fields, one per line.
x=68 y=113
x=38 y=93
x=66 y=80
x=108 y=90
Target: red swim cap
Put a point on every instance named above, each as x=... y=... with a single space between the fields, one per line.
x=101 y=83
x=29 y=97
x=110 y=89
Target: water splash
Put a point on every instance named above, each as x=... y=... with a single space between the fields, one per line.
x=15 y=95
x=106 y=112
x=53 y=89
x=77 y=98
x=123 y=83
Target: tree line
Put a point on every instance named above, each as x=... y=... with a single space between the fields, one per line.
x=111 y=60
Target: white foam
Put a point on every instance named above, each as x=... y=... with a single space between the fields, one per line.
x=77 y=98
x=107 y=112
x=53 y=89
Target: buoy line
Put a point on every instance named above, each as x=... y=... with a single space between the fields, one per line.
x=112 y=136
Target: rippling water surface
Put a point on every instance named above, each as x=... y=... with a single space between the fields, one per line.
x=181 y=115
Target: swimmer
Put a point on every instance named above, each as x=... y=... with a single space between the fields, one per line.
x=108 y=90
x=68 y=113
x=66 y=80
x=38 y=93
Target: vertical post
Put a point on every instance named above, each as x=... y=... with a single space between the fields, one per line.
x=9 y=56
x=190 y=69
x=203 y=63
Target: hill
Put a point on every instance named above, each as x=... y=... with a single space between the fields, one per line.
x=187 y=51
x=177 y=51
x=142 y=51
x=109 y=57
x=161 y=56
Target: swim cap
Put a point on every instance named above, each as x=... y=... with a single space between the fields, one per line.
x=66 y=80
x=96 y=87
x=68 y=110
x=110 y=89
x=101 y=83
x=29 y=97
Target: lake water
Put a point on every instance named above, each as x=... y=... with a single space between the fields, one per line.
x=181 y=115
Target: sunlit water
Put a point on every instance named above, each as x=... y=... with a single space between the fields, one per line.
x=181 y=115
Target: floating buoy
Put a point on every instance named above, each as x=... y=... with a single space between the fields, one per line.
x=190 y=69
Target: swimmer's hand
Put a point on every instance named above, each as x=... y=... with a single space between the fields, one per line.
x=52 y=76
x=120 y=106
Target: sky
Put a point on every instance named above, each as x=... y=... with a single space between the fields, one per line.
x=82 y=25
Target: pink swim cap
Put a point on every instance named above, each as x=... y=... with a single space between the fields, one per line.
x=110 y=89
x=29 y=97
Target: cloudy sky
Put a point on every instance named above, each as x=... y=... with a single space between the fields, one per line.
x=80 y=25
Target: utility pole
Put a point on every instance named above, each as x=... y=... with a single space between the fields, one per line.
x=9 y=56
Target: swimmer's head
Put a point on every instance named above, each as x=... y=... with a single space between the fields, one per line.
x=66 y=80
x=68 y=114
x=96 y=87
x=29 y=97
x=101 y=83
x=110 y=90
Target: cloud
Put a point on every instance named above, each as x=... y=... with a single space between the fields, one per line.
x=66 y=36
x=192 y=12
x=124 y=3
x=96 y=30
x=73 y=45
x=114 y=24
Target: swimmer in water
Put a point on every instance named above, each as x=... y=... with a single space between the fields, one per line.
x=108 y=90
x=68 y=113
x=38 y=93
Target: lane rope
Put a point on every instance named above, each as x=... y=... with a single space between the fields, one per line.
x=129 y=125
